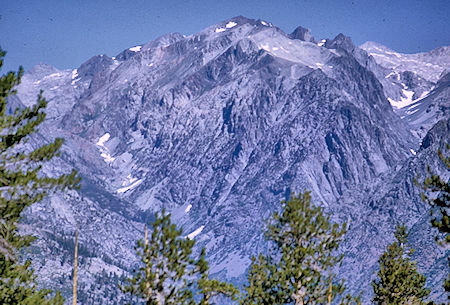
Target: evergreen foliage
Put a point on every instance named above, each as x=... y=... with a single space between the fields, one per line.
x=300 y=269
x=22 y=183
x=169 y=274
x=435 y=184
x=166 y=258
x=210 y=288
x=398 y=281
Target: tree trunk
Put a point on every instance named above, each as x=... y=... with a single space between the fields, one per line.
x=75 y=269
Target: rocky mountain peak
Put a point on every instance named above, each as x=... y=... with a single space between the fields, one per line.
x=302 y=33
x=341 y=42
x=41 y=70
x=94 y=65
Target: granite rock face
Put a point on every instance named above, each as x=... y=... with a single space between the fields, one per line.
x=219 y=127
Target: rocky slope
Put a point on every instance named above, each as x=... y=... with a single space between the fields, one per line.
x=416 y=85
x=220 y=126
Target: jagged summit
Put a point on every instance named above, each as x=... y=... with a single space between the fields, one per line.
x=302 y=34
x=341 y=41
x=242 y=20
x=233 y=23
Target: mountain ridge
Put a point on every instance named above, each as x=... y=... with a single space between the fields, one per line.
x=229 y=121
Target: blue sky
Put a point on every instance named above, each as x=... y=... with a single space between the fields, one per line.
x=65 y=33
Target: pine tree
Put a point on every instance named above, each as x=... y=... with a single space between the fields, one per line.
x=300 y=269
x=398 y=282
x=169 y=274
x=22 y=183
x=264 y=285
x=211 y=288
x=166 y=260
x=435 y=184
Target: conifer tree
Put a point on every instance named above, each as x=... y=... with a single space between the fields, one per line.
x=169 y=274
x=264 y=285
x=22 y=183
x=210 y=288
x=166 y=261
x=398 y=282
x=300 y=269
x=435 y=184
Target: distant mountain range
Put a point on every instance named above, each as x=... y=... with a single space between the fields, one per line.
x=218 y=127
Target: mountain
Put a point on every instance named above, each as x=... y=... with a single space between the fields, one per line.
x=416 y=84
x=217 y=128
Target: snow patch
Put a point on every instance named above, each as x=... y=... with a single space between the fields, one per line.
x=57 y=74
x=265 y=47
x=264 y=23
x=413 y=106
x=230 y=24
x=425 y=93
x=219 y=30
x=135 y=49
x=393 y=74
x=188 y=208
x=74 y=76
x=129 y=187
x=393 y=53
x=130 y=180
x=322 y=42
x=104 y=150
x=103 y=139
x=107 y=157
x=404 y=101
x=74 y=73
x=412 y=151
x=408 y=93
x=195 y=233
x=412 y=112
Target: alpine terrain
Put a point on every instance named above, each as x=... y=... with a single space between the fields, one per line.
x=217 y=128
